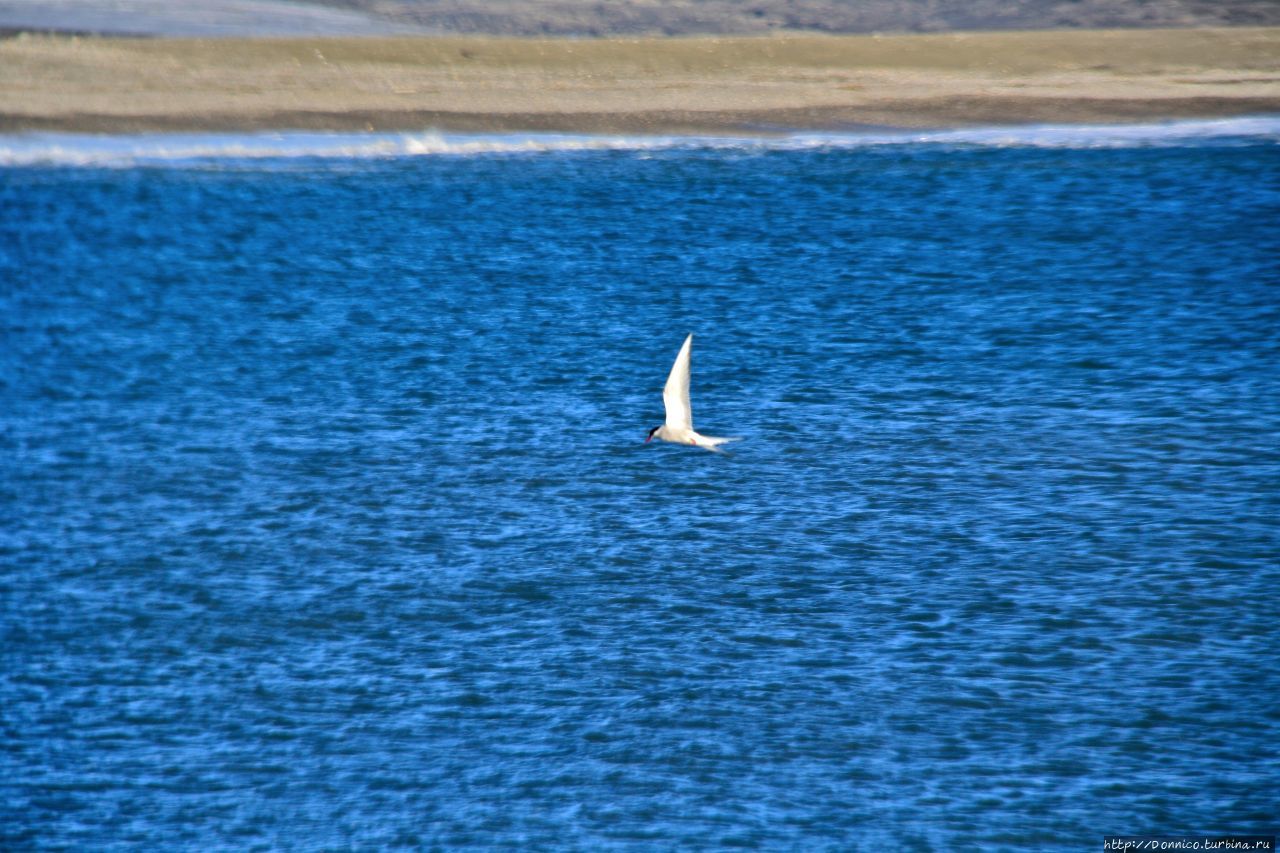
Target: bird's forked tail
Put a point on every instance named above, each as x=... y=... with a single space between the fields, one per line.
x=711 y=442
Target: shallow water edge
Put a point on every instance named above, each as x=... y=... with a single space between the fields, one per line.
x=124 y=150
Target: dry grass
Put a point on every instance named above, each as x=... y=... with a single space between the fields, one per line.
x=636 y=84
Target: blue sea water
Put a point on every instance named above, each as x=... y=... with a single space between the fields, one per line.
x=326 y=520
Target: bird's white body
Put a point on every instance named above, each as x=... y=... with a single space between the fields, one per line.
x=689 y=436
x=675 y=397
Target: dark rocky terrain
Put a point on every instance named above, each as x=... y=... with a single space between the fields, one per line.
x=587 y=18
x=688 y=17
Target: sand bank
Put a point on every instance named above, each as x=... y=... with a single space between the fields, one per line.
x=636 y=85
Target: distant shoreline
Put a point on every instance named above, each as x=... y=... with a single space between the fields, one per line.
x=912 y=116
x=681 y=85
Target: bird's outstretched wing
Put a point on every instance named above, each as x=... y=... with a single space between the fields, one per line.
x=675 y=396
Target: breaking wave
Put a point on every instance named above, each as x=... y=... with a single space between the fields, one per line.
x=179 y=149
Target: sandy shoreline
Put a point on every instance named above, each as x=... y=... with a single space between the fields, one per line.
x=636 y=85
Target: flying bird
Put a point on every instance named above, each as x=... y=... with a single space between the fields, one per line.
x=675 y=397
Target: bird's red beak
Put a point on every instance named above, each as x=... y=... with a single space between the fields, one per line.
x=648 y=438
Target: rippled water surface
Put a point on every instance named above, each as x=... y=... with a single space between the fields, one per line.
x=326 y=519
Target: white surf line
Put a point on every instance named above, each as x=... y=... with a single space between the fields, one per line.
x=69 y=149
